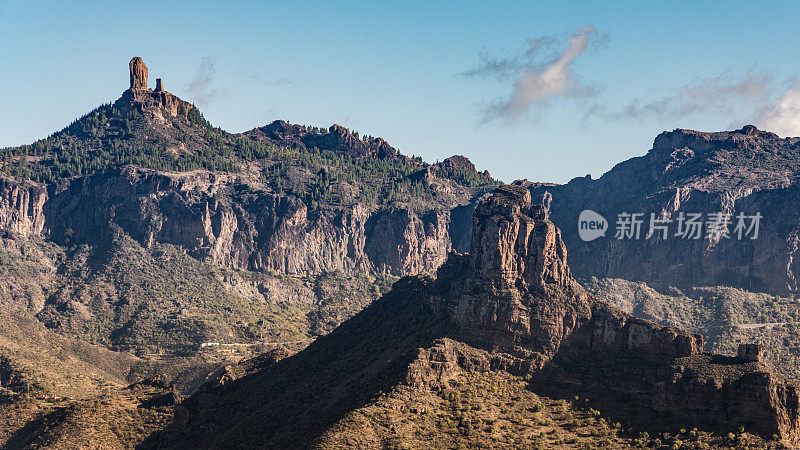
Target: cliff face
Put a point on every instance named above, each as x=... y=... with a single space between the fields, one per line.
x=222 y=220
x=515 y=292
x=22 y=207
x=236 y=214
x=745 y=171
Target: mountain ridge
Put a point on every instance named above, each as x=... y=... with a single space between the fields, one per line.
x=746 y=171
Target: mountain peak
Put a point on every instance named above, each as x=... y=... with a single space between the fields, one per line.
x=157 y=103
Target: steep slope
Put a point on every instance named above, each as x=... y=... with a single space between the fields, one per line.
x=160 y=300
x=510 y=307
x=687 y=172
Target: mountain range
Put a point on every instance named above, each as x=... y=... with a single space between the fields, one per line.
x=169 y=284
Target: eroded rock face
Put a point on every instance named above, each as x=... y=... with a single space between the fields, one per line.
x=218 y=219
x=514 y=294
x=138 y=73
x=21 y=207
x=514 y=241
x=515 y=290
x=511 y=306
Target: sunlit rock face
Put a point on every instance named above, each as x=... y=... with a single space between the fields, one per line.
x=138 y=73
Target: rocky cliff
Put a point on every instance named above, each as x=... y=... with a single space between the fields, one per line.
x=22 y=207
x=515 y=291
x=746 y=171
x=510 y=306
x=224 y=220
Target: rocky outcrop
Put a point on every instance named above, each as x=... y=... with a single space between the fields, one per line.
x=159 y=103
x=744 y=171
x=750 y=352
x=514 y=290
x=138 y=73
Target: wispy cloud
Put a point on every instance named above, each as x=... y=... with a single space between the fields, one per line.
x=201 y=88
x=782 y=116
x=725 y=95
x=767 y=103
x=538 y=80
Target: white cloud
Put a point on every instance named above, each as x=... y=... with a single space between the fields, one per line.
x=724 y=94
x=537 y=83
x=783 y=115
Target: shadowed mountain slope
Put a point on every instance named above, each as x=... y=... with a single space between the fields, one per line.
x=510 y=306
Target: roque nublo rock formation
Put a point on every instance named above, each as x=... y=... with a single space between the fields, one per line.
x=218 y=217
x=155 y=102
x=138 y=74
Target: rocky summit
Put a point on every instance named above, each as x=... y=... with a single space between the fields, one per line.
x=511 y=307
x=157 y=103
x=515 y=292
x=142 y=242
x=148 y=171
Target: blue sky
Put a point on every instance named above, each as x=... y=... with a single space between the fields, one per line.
x=541 y=90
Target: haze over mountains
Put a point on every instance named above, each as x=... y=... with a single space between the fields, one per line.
x=142 y=245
